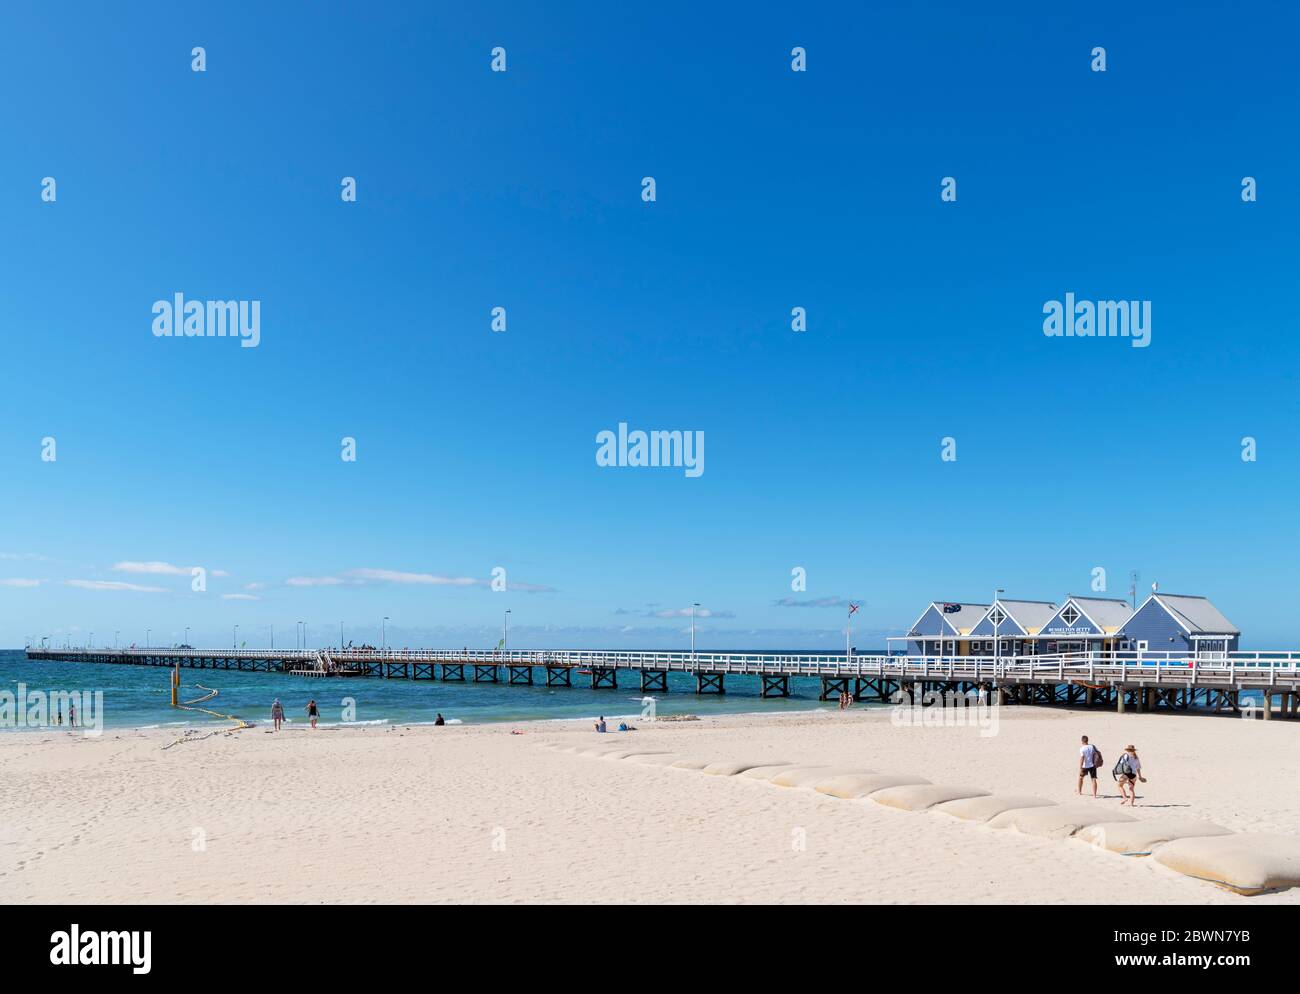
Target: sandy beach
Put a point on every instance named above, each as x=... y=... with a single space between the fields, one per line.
x=478 y=814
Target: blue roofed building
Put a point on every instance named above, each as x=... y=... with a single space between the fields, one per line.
x=1008 y=626
x=1180 y=623
x=1084 y=624
x=944 y=629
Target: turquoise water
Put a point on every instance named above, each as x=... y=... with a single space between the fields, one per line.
x=138 y=696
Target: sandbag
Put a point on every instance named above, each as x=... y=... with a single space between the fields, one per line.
x=1057 y=821
x=809 y=776
x=989 y=806
x=656 y=758
x=854 y=785
x=691 y=763
x=917 y=797
x=1142 y=837
x=730 y=767
x=766 y=772
x=1248 y=864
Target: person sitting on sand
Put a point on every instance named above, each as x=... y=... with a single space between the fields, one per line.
x=1128 y=771
x=440 y=720
x=1089 y=761
x=600 y=725
x=277 y=713
x=312 y=712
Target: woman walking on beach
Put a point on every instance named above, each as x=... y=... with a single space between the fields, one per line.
x=277 y=713
x=312 y=713
x=1128 y=771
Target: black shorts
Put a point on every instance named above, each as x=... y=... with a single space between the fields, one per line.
x=1091 y=771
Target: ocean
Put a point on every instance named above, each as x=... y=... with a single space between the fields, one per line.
x=139 y=696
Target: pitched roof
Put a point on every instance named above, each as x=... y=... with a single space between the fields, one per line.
x=1198 y=614
x=1108 y=613
x=1029 y=615
x=966 y=616
x=962 y=620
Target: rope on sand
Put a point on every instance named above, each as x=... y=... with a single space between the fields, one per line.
x=240 y=723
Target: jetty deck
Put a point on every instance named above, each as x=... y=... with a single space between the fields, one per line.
x=1267 y=682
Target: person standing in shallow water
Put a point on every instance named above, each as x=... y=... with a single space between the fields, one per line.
x=312 y=712
x=277 y=713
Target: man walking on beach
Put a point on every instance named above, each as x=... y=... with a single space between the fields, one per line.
x=1089 y=760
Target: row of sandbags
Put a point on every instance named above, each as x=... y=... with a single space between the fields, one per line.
x=1250 y=863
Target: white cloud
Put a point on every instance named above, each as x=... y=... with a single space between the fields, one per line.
x=396 y=576
x=685 y=612
x=366 y=575
x=254 y=586
x=240 y=597
x=113 y=585
x=24 y=555
x=18 y=581
x=154 y=568
x=158 y=568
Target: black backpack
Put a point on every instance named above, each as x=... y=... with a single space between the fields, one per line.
x=1122 y=768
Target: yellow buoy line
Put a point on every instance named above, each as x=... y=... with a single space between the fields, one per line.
x=240 y=723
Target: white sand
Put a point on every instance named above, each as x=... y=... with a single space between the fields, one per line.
x=475 y=814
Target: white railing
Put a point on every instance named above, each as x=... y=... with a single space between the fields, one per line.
x=1156 y=667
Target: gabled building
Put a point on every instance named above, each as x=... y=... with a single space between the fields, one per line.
x=944 y=629
x=1084 y=624
x=1008 y=626
x=1180 y=623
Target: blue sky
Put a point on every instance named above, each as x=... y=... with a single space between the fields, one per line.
x=522 y=190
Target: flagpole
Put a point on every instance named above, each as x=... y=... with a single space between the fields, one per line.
x=848 y=636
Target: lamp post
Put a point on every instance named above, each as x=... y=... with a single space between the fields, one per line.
x=187 y=634
x=115 y=635
x=505 y=632
x=383 y=634
x=90 y=644
x=147 y=631
x=234 y=638
x=340 y=636
x=693 y=607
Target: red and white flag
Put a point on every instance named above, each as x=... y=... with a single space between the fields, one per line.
x=852 y=607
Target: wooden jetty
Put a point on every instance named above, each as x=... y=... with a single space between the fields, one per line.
x=1136 y=681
